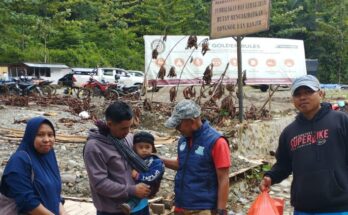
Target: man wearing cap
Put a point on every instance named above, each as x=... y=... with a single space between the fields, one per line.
x=203 y=162
x=314 y=148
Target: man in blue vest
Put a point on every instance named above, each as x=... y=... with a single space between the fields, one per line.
x=203 y=162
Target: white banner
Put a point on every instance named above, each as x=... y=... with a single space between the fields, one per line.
x=266 y=60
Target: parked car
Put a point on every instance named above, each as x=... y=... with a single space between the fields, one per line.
x=136 y=73
x=125 y=78
x=82 y=75
x=137 y=76
x=140 y=75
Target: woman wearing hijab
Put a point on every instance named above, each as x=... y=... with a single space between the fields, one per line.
x=31 y=177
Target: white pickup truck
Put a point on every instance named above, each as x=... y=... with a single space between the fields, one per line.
x=127 y=79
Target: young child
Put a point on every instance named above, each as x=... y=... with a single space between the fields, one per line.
x=143 y=145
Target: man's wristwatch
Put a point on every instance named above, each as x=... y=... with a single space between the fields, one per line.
x=221 y=211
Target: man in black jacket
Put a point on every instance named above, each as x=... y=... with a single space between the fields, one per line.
x=314 y=148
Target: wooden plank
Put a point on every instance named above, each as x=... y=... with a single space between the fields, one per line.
x=241 y=171
x=84 y=206
x=79 y=208
x=77 y=199
x=16 y=134
x=156 y=199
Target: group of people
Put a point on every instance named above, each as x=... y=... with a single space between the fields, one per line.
x=124 y=170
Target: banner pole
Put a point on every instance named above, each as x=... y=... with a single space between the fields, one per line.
x=240 y=77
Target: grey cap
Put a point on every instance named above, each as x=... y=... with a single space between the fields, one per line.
x=306 y=80
x=185 y=109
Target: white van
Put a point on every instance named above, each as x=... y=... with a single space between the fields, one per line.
x=82 y=75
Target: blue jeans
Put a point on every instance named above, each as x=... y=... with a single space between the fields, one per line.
x=133 y=202
x=334 y=213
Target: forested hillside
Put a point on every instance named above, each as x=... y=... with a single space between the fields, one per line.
x=88 y=33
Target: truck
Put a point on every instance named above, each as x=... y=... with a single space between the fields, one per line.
x=107 y=74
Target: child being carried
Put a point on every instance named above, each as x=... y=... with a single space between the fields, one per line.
x=143 y=145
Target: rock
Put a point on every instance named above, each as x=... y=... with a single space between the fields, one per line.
x=243 y=200
x=50 y=114
x=285 y=184
x=284 y=196
x=233 y=213
x=72 y=163
x=168 y=203
x=157 y=208
x=276 y=189
x=78 y=174
x=256 y=190
x=68 y=178
x=84 y=115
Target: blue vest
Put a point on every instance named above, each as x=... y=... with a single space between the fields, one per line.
x=196 y=185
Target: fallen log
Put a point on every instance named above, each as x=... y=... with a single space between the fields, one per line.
x=16 y=135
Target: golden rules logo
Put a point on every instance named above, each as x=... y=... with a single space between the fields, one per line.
x=159 y=45
x=182 y=146
x=200 y=150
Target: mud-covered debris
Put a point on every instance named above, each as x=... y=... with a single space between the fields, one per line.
x=189 y=92
x=230 y=87
x=20 y=101
x=219 y=92
x=137 y=116
x=162 y=73
x=67 y=120
x=172 y=72
x=227 y=105
x=147 y=105
x=172 y=94
x=192 y=42
x=208 y=74
x=251 y=113
x=20 y=121
x=205 y=47
x=154 y=54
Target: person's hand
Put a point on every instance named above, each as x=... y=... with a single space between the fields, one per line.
x=265 y=184
x=142 y=190
x=134 y=174
x=62 y=211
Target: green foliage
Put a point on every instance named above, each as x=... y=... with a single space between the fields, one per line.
x=256 y=174
x=266 y=167
x=223 y=112
x=322 y=24
x=90 y=33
